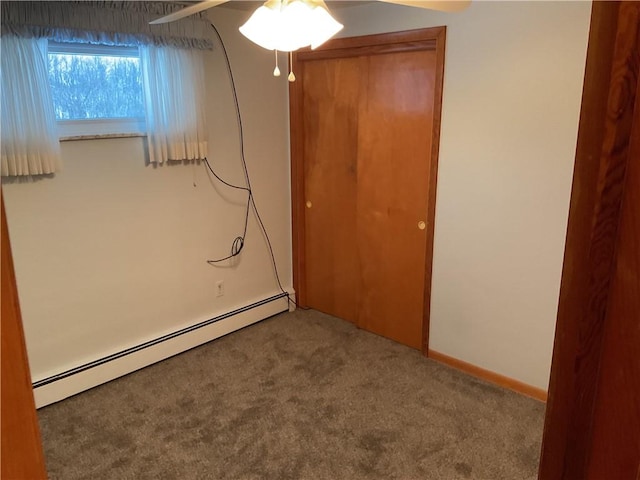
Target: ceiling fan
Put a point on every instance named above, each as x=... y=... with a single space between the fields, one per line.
x=287 y=25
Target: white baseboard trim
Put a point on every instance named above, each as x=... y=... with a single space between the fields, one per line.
x=83 y=377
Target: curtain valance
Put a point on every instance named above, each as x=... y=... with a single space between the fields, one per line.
x=104 y=22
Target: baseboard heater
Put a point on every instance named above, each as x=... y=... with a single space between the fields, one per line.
x=75 y=380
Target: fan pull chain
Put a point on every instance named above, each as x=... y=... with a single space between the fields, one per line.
x=276 y=71
x=291 y=77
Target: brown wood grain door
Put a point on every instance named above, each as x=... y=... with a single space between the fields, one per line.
x=365 y=123
x=616 y=417
x=331 y=100
x=395 y=131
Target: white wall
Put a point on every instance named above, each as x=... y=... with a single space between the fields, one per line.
x=512 y=91
x=111 y=252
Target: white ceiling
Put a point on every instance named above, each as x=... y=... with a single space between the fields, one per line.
x=251 y=5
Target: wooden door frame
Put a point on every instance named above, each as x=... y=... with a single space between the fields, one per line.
x=412 y=40
x=602 y=156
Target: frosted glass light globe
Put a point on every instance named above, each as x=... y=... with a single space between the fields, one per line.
x=289 y=25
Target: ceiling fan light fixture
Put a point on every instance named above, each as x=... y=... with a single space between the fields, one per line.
x=323 y=27
x=287 y=25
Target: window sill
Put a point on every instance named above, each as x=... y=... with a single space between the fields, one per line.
x=103 y=136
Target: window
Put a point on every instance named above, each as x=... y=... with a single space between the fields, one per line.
x=96 y=89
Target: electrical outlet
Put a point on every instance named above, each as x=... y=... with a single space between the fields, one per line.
x=219 y=288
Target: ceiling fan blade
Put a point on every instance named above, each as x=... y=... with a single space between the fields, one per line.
x=441 y=5
x=185 y=12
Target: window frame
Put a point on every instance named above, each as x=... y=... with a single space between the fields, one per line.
x=98 y=127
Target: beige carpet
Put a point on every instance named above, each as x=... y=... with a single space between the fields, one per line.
x=299 y=396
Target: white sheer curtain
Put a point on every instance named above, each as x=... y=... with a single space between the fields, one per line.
x=174 y=101
x=29 y=139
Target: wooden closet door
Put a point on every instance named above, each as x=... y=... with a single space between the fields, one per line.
x=330 y=130
x=364 y=126
x=395 y=140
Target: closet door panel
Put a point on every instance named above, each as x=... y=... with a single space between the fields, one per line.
x=330 y=131
x=395 y=130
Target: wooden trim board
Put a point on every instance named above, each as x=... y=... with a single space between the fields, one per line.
x=489 y=376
